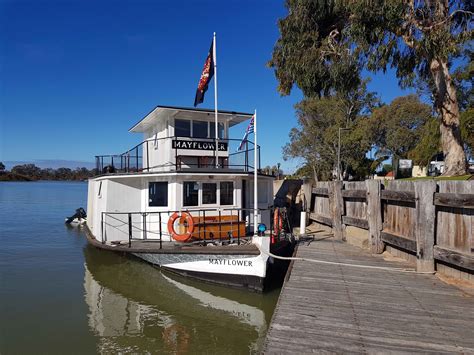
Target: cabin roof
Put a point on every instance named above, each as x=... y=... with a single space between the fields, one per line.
x=162 y=112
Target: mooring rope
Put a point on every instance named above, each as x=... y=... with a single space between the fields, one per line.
x=318 y=261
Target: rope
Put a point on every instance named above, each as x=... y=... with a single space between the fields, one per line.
x=385 y=268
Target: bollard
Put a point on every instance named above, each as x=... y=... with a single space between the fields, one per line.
x=303 y=224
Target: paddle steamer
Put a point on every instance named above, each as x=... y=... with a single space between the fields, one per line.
x=183 y=199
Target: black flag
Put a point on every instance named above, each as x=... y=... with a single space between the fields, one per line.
x=206 y=76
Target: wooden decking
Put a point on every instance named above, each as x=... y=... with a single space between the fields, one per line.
x=340 y=309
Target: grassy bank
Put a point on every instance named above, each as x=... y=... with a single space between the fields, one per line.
x=462 y=177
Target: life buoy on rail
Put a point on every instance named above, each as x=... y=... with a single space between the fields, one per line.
x=277 y=222
x=186 y=219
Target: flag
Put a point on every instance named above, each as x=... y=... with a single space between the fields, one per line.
x=206 y=75
x=250 y=129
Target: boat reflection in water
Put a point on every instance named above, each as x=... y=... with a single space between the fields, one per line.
x=135 y=308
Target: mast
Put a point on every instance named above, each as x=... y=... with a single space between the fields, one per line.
x=214 y=52
x=255 y=189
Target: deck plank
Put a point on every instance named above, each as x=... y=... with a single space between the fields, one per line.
x=339 y=309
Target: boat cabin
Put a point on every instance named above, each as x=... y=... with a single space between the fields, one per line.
x=174 y=169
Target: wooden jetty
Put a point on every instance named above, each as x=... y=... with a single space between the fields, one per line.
x=340 y=309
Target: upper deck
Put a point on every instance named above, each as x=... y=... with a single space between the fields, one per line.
x=184 y=139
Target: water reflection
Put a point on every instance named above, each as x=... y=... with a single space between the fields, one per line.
x=134 y=307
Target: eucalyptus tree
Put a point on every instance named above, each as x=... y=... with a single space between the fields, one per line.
x=398 y=127
x=315 y=139
x=324 y=43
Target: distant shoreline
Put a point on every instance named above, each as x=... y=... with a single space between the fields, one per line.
x=12 y=177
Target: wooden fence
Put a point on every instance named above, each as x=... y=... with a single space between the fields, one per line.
x=432 y=220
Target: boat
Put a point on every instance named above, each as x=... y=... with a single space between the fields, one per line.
x=184 y=200
x=77 y=219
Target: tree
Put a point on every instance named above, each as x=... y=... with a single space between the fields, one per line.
x=315 y=139
x=428 y=145
x=30 y=170
x=2 y=167
x=324 y=43
x=397 y=128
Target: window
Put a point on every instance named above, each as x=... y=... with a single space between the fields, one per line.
x=209 y=193
x=182 y=128
x=200 y=129
x=158 y=194
x=220 y=130
x=262 y=192
x=190 y=193
x=227 y=193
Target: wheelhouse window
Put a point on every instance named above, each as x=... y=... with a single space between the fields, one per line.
x=200 y=129
x=220 y=130
x=182 y=128
x=158 y=194
x=209 y=193
x=190 y=193
x=227 y=193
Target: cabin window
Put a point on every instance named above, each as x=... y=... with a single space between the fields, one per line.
x=158 y=194
x=227 y=193
x=262 y=192
x=212 y=130
x=190 y=193
x=209 y=193
x=182 y=128
x=200 y=129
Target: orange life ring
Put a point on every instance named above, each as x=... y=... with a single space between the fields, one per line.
x=277 y=221
x=184 y=218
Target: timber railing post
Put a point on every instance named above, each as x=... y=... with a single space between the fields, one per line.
x=336 y=204
x=425 y=225
x=374 y=216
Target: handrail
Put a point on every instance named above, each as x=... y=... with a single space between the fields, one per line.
x=133 y=160
x=201 y=214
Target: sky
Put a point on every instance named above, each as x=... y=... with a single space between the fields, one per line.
x=76 y=75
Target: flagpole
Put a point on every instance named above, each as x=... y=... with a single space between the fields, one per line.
x=215 y=100
x=255 y=190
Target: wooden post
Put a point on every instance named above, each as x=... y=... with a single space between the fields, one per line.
x=374 y=216
x=336 y=205
x=307 y=190
x=425 y=225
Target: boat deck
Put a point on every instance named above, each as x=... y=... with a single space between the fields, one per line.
x=339 y=309
x=148 y=246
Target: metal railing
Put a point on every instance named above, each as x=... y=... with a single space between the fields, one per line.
x=125 y=225
x=129 y=224
x=138 y=159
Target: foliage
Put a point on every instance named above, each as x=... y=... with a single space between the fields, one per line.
x=396 y=128
x=2 y=166
x=464 y=82
x=428 y=144
x=32 y=172
x=315 y=139
x=467 y=128
x=273 y=170
x=325 y=43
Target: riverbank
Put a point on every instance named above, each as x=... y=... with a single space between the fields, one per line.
x=8 y=176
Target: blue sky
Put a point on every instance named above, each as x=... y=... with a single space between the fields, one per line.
x=75 y=75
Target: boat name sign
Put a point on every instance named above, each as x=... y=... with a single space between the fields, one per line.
x=198 y=145
x=233 y=262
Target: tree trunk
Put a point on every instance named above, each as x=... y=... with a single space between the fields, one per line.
x=446 y=104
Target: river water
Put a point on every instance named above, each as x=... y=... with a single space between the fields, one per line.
x=60 y=295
